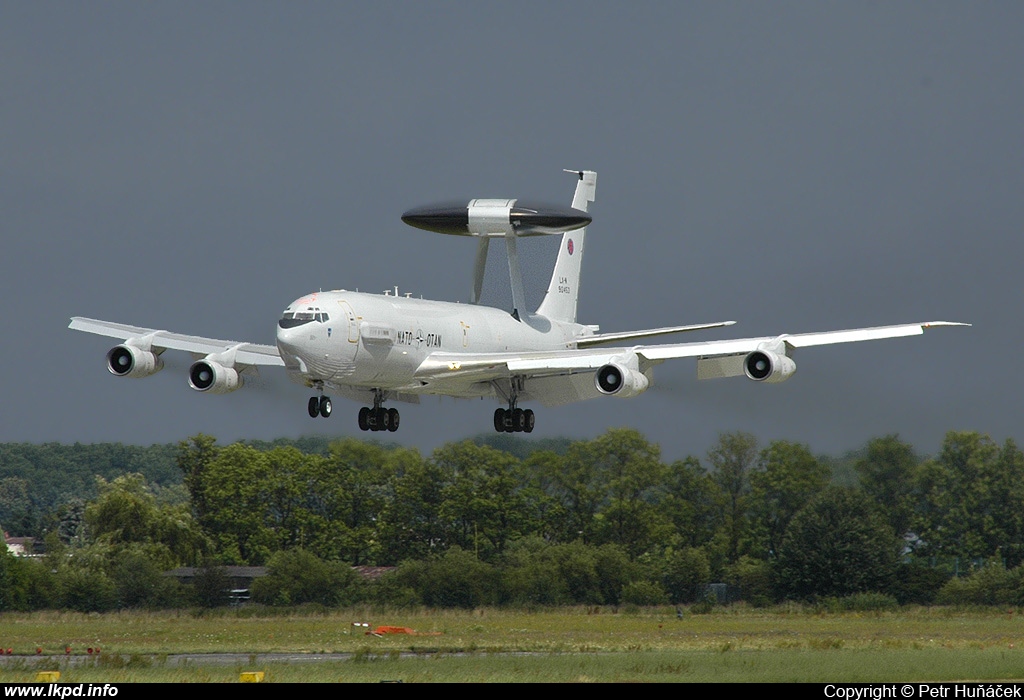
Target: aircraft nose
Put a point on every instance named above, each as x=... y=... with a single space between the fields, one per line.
x=286 y=338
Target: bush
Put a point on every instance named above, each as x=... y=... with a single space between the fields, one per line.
x=456 y=580
x=860 y=602
x=614 y=571
x=917 y=584
x=644 y=593
x=992 y=584
x=753 y=579
x=83 y=590
x=687 y=572
x=211 y=587
x=139 y=583
x=296 y=577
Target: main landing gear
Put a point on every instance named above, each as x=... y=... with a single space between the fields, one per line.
x=514 y=420
x=378 y=417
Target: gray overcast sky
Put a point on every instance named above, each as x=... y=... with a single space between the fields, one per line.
x=792 y=166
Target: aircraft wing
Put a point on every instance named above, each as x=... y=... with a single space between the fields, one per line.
x=245 y=353
x=720 y=358
x=798 y=340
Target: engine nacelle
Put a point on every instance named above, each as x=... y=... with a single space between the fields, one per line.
x=617 y=380
x=130 y=361
x=207 y=375
x=767 y=366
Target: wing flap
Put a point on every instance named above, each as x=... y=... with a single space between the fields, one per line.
x=487 y=366
x=603 y=338
x=721 y=366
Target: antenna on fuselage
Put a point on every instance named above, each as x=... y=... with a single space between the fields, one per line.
x=485 y=219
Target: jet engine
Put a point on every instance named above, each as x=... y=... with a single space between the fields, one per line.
x=767 y=366
x=131 y=361
x=207 y=375
x=617 y=380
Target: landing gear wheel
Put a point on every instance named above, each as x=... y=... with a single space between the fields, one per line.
x=383 y=419
x=528 y=420
x=314 y=407
x=364 y=418
x=499 y=420
x=393 y=419
x=518 y=421
x=326 y=406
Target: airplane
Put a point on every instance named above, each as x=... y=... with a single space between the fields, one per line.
x=374 y=348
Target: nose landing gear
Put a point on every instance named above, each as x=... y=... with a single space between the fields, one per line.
x=320 y=405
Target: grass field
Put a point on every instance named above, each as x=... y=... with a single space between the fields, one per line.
x=579 y=644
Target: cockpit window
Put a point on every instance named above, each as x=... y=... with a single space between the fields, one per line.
x=291 y=319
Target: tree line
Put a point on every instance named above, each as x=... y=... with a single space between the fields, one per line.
x=602 y=521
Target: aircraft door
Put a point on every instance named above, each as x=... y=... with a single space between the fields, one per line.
x=350 y=318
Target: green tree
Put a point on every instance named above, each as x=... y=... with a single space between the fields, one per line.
x=972 y=499
x=693 y=503
x=786 y=478
x=887 y=472
x=71 y=528
x=482 y=507
x=352 y=492
x=18 y=516
x=631 y=474
x=252 y=501
x=411 y=525
x=193 y=459
x=732 y=460
x=546 y=513
x=837 y=545
x=126 y=513
x=573 y=483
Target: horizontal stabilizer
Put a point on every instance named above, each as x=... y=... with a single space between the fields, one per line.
x=493 y=218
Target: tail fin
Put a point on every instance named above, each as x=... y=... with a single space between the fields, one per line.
x=563 y=291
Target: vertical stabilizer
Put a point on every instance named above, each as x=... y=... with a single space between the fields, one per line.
x=563 y=291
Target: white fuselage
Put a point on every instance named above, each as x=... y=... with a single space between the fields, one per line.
x=377 y=341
